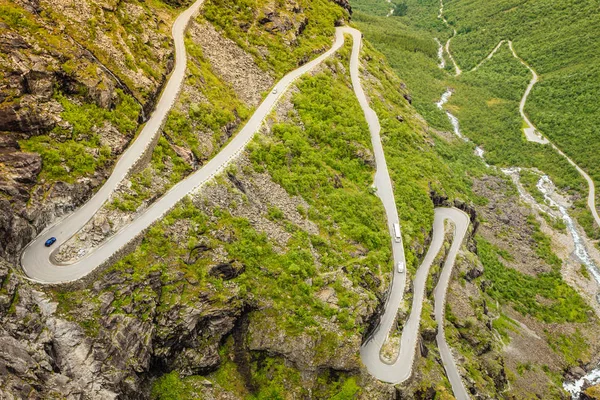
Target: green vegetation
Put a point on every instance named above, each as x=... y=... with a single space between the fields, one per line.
x=270 y=375
x=400 y=9
x=562 y=104
x=556 y=223
x=543 y=244
x=503 y=324
x=218 y=116
x=81 y=153
x=593 y=392
x=165 y=162
x=529 y=181
x=418 y=163
x=584 y=272
x=314 y=160
x=546 y=296
x=221 y=109
x=485 y=101
x=317 y=157
x=476 y=343
x=15 y=17
x=126 y=31
x=246 y=22
x=573 y=347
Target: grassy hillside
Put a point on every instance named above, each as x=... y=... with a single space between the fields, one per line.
x=486 y=101
x=559 y=40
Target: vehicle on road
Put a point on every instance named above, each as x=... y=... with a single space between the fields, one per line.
x=401 y=267
x=275 y=91
x=50 y=241
x=397 y=236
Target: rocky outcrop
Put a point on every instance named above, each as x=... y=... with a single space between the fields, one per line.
x=232 y=64
x=43 y=354
x=345 y=4
x=307 y=353
x=47 y=63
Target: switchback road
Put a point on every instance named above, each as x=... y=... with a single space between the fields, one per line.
x=37 y=260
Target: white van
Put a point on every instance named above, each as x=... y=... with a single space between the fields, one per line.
x=401 y=267
x=397 y=234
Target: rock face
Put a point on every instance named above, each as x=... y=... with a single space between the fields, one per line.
x=43 y=63
x=43 y=355
x=345 y=4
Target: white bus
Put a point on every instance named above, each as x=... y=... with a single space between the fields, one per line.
x=397 y=236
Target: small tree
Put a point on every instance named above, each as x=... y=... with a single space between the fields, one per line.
x=400 y=9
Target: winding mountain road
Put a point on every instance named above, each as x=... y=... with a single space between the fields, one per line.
x=370 y=351
x=38 y=261
x=531 y=133
x=36 y=258
x=401 y=369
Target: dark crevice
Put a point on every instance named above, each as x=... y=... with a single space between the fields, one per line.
x=241 y=354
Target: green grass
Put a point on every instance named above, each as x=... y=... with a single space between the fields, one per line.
x=529 y=181
x=543 y=244
x=305 y=163
x=556 y=38
x=486 y=101
x=221 y=108
x=417 y=161
x=573 y=348
x=272 y=377
x=546 y=297
x=126 y=30
x=280 y=51
x=81 y=153
x=503 y=324
x=141 y=183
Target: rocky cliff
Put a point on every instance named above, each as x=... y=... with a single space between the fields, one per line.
x=75 y=77
x=265 y=282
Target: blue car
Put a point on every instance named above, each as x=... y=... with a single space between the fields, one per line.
x=50 y=241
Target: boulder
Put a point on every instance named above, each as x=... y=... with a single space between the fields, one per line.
x=475 y=272
x=228 y=270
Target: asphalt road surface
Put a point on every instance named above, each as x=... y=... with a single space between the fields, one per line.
x=401 y=369
x=37 y=260
x=461 y=224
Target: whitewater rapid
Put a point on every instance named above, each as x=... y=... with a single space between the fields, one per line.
x=452 y=118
